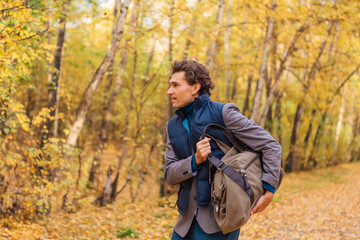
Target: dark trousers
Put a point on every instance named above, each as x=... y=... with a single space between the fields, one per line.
x=196 y=233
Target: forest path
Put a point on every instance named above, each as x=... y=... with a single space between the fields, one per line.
x=322 y=204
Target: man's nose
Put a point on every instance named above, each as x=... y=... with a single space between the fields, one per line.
x=170 y=91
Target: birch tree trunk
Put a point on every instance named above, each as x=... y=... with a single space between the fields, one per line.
x=227 y=53
x=170 y=31
x=144 y=171
x=290 y=160
x=103 y=138
x=246 y=106
x=53 y=83
x=170 y=112
x=279 y=73
x=140 y=106
x=338 y=130
x=191 y=32
x=255 y=111
x=278 y=116
x=308 y=132
x=212 y=49
x=111 y=71
x=283 y=62
x=234 y=87
x=87 y=97
x=50 y=69
x=354 y=152
x=312 y=158
x=339 y=123
x=50 y=72
x=353 y=122
x=329 y=101
x=269 y=121
x=289 y=166
x=331 y=55
x=130 y=108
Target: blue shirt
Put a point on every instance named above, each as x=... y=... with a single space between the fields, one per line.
x=189 y=112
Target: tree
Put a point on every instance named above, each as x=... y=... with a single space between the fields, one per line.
x=226 y=48
x=255 y=111
x=300 y=108
x=103 y=136
x=53 y=85
x=87 y=97
x=213 y=44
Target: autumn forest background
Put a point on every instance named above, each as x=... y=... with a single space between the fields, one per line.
x=83 y=110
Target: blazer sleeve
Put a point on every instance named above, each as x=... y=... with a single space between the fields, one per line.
x=176 y=170
x=257 y=139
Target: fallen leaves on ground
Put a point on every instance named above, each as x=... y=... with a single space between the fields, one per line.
x=322 y=204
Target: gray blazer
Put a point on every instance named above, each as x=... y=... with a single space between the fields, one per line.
x=250 y=134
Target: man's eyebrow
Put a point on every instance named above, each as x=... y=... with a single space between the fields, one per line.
x=173 y=81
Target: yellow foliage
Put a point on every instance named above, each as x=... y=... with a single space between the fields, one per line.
x=27 y=50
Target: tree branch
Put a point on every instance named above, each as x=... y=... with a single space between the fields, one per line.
x=21 y=5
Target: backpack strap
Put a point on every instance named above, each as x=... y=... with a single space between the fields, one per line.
x=228 y=134
x=240 y=146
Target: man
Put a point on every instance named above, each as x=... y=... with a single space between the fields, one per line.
x=186 y=157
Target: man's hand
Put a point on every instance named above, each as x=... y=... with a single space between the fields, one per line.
x=263 y=202
x=203 y=149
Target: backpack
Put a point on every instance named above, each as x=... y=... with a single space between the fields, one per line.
x=236 y=185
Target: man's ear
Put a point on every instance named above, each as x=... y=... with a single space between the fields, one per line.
x=196 y=89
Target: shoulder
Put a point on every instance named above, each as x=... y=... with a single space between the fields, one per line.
x=230 y=108
x=233 y=116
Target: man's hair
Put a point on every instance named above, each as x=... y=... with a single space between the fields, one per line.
x=194 y=73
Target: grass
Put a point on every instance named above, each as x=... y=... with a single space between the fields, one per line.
x=126 y=232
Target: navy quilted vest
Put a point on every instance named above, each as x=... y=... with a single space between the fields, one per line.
x=205 y=112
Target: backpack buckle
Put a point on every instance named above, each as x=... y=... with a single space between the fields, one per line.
x=243 y=172
x=221 y=166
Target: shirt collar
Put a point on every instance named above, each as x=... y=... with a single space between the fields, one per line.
x=197 y=104
x=189 y=108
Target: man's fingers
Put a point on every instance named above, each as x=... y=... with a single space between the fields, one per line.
x=205 y=153
x=205 y=140
x=204 y=150
x=256 y=208
x=203 y=146
x=202 y=143
x=262 y=203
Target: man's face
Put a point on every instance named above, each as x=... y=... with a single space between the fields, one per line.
x=180 y=92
